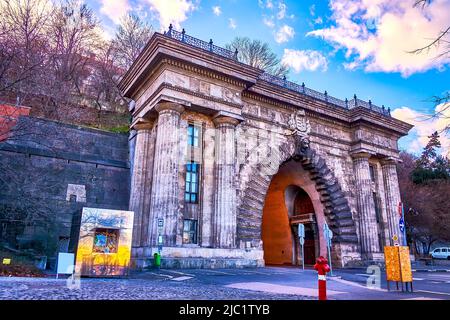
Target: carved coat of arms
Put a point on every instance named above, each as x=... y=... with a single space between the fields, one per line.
x=300 y=129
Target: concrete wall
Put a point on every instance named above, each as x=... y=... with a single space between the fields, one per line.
x=58 y=169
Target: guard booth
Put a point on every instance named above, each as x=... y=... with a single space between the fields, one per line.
x=104 y=245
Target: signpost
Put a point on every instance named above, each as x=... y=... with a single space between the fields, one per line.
x=301 y=237
x=401 y=222
x=328 y=236
x=160 y=238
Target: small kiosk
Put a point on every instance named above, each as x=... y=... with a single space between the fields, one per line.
x=104 y=245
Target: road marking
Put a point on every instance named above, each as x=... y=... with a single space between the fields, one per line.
x=351 y=283
x=179 y=272
x=181 y=278
x=281 y=289
x=161 y=275
x=418 y=279
x=363 y=274
x=421 y=298
x=433 y=292
x=220 y=272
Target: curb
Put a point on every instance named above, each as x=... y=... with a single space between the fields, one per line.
x=431 y=270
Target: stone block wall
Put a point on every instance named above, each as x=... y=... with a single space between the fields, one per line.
x=56 y=169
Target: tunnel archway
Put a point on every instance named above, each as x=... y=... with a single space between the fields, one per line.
x=291 y=199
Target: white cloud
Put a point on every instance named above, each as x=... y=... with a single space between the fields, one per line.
x=171 y=11
x=300 y=60
x=281 y=11
x=312 y=10
x=318 y=20
x=216 y=10
x=379 y=34
x=269 y=22
x=284 y=34
x=232 y=23
x=424 y=126
x=115 y=9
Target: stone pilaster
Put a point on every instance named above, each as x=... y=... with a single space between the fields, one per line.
x=141 y=181
x=165 y=202
x=368 y=228
x=224 y=219
x=392 y=193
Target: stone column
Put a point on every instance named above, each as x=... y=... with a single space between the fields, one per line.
x=366 y=206
x=141 y=181
x=392 y=193
x=224 y=216
x=165 y=202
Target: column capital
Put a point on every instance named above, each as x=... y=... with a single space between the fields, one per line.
x=162 y=106
x=360 y=155
x=142 y=124
x=389 y=161
x=223 y=117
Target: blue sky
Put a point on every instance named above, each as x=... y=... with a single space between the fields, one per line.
x=345 y=47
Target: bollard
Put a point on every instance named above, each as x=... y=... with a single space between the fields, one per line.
x=322 y=268
x=157 y=260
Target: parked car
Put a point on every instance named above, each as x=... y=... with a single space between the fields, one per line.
x=441 y=253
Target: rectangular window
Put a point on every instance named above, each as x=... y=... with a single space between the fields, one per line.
x=192 y=175
x=372 y=172
x=189 y=231
x=105 y=240
x=193 y=134
x=377 y=207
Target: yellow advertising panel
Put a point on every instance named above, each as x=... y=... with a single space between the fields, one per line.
x=405 y=264
x=104 y=245
x=392 y=261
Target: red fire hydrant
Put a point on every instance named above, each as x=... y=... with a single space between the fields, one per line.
x=322 y=268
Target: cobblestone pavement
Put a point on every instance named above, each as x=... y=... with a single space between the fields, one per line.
x=269 y=283
x=142 y=288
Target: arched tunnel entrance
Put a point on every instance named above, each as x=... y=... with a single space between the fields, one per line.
x=292 y=199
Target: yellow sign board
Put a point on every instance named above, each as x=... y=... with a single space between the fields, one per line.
x=392 y=261
x=405 y=264
x=6 y=261
x=398 y=263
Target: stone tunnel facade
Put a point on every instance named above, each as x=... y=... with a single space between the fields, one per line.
x=212 y=134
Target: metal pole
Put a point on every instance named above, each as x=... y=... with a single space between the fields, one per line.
x=329 y=258
x=303 y=258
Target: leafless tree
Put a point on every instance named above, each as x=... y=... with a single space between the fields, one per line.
x=258 y=54
x=23 y=44
x=131 y=36
x=441 y=41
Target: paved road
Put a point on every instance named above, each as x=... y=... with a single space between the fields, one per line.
x=435 y=285
x=233 y=284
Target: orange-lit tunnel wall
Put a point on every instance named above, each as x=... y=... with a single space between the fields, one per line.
x=276 y=231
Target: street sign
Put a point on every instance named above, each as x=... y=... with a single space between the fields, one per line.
x=301 y=238
x=401 y=225
x=395 y=239
x=301 y=230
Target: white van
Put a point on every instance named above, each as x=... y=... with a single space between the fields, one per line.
x=441 y=253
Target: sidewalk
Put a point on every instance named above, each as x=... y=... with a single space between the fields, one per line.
x=434 y=266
